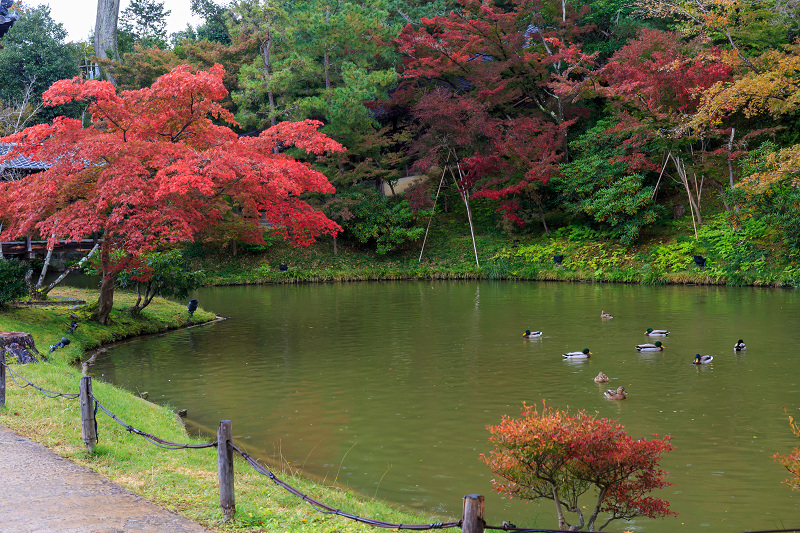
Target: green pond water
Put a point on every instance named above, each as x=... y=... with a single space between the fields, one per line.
x=387 y=388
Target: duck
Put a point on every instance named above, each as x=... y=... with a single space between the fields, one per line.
x=702 y=359
x=656 y=332
x=531 y=334
x=657 y=347
x=603 y=314
x=618 y=394
x=600 y=378
x=583 y=354
x=739 y=346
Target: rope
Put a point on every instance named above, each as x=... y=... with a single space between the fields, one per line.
x=152 y=438
x=321 y=507
x=48 y=393
x=515 y=529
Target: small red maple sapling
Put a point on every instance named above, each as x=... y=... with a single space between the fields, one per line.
x=561 y=457
x=152 y=167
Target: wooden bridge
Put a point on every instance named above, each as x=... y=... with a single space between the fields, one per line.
x=30 y=249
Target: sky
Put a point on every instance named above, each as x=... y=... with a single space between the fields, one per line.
x=78 y=16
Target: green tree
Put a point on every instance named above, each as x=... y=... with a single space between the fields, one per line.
x=33 y=57
x=12 y=279
x=215 y=21
x=606 y=182
x=143 y=22
x=163 y=274
x=374 y=220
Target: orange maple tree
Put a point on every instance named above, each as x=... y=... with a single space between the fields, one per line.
x=553 y=455
x=153 y=166
x=792 y=461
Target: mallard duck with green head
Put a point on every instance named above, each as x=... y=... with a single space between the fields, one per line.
x=656 y=332
x=657 y=347
x=702 y=359
x=531 y=334
x=739 y=346
x=583 y=354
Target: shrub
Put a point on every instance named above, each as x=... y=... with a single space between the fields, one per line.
x=12 y=280
x=553 y=455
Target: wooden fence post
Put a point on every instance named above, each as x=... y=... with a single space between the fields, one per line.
x=2 y=376
x=227 y=498
x=88 y=422
x=472 y=520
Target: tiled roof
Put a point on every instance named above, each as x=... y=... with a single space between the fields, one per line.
x=20 y=162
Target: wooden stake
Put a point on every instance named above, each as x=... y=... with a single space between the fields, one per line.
x=2 y=376
x=227 y=499
x=88 y=422
x=472 y=521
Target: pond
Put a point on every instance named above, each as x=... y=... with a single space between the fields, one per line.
x=388 y=387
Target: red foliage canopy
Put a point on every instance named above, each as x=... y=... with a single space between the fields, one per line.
x=558 y=456
x=154 y=167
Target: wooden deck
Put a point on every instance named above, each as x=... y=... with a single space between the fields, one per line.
x=29 y=249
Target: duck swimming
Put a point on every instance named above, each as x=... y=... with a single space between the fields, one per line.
x=656 y=332
x=702 y=359
x=583 y=354
x=603 y=314
x=531 y=334
x=739 y=346
x=618 y=394
x=657 y=347
x=601 y=378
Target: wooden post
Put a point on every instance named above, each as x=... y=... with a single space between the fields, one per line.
x=2 y=376
x=473 y=514
x=88 y=422
x=227 y=498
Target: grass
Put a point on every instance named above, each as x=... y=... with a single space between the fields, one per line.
x=184 y=481
x=749 y=256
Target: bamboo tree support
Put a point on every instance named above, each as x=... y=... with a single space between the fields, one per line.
x=425 y=239
x=227 y=498
x=465 y=196
x=2 y=376
x=88 y=421
x=472 y=520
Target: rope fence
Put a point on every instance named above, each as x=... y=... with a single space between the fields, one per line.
x=472 y=520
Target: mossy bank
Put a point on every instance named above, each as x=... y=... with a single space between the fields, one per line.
x=750 y=255
x=184 y=481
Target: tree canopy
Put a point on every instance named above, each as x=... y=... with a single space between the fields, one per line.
x=153 y=167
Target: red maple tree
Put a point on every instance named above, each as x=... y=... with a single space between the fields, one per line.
x=154 y=166
x=477 y=84
x=553 y=455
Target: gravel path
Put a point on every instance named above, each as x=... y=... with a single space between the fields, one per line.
x=42 y=492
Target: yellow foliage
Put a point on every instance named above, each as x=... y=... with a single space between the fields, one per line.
x=772 y=90
x=781 y=165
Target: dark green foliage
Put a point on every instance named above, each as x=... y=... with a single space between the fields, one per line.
x=598 y=185
x=160 y=274
x=34 y=54
x=143 y=22
x=12 y=280
x=369 y=218
x=778 y=207
x=214 y=27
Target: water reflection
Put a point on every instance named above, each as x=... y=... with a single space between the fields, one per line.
x=388 y=387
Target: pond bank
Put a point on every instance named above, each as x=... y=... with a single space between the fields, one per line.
x=182 y=481
x=721 y=258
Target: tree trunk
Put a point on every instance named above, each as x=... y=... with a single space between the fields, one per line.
x=265 y=48
x=327 y=57
x=106 y=300
x=105 y=32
